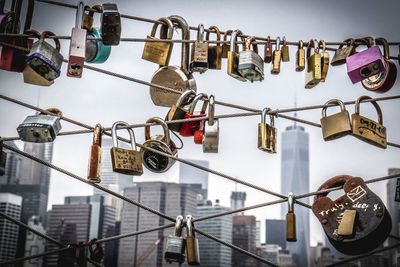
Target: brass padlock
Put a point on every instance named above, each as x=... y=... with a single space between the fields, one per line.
x=285 y=50
x=347 y=223
x=336 y=125
x=214 y=51
x=159 y=53
x=291 y=235
x=233 y=57
x=174 y=77
x=125 y=161
x=199 y=55
x=268 y=50
x=366 y=129
x=300 y=57
x=251 y=65
x=313 y=74
x=177 y=111
x=88 y=17
x=225 y=46
x=324 y=60
x=192 y=243
x=95 y=156
x=276 y=57
x=267 y=133
x=342 y=53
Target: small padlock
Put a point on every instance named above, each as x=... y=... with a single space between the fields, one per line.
x=3 y=159
x=214 y=51
x=336 y=125
x=300 y=57
x=199 y=134
x=188 y=128
x=77 y=47
x=291 y=220
x=95 y=156
x=199 y=56
x=159 y=53
x=383 y=81
x=251 y=65
x=366 y=129
x=366 y=63
x=41 y=128
x=110 y=24
x=45 y=59
x=97 y=253
x=175 y=248
x=226 y=46
x=178 y=112
x=211 y=129
x=369 y=228
x=267 y=133
x=314 y=70
x=233 y=57
x=342 y=53
x=285 y=51
x=192 y=243
x=276 y=57
x=324 y=60
x=397 y=193
x=153 y=161
x=78 y=253
x=268 y=50
x=125 y=161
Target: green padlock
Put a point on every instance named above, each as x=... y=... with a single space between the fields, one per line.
x=96 y=51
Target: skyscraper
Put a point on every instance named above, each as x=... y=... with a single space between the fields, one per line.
x=275 y=232
x=394 y=211
x=191 y=175
x=295 y=178
x=244 y=236
x=13 y=166
x=238 y=201
x=34 y=244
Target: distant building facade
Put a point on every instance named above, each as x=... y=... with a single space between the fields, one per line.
x=244 y=234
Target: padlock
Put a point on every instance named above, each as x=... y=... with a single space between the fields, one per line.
x=78 y=253
x=285 y=51
x=199 y=54
x=366 y=63
x=178 y=112
x=267 y=133
x=214 y=51
x=397 y=193
x=324 y=60
x=233 y=57
x=97 y=253
x=95 y=156
x=41 y=128
x=268 y=50
x=314 y=70
x=3 y=160
x=276 y=57
x=300 y=57
x=110 y=24
x=199 y=134
x=45 y=59
x=226 y=46
x=342 y=53
x=125 y=161
x=211 y=129
x=159 y=53
x=372 y=224
x=383 y=81
x=291 y=220
x=175 y=248
x=153 y=161
x=174 y=77
x=366 y=129
x=77 y=47
x=88 y=17
x=251 y=65
x=192 y=243
x=336 y=125
x=188 y=128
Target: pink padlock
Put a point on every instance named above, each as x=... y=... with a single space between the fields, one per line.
x=366 y=63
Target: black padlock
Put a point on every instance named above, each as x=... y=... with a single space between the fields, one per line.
x=175 y=249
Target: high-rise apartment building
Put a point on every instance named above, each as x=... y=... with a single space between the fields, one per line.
x=34 y=244
x=244 y=233
x=275 y=232
x=191 y=175
x=238 y=201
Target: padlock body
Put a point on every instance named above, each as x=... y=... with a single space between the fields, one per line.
x=336 y=125
x=365 y=64
x=199 y=57
x=175 y=249
x=188 y=128
x=276 y=62
x=12 y=59
x=266 y=138
x=175 y=113
x=3 y=160
x=285 y=53
x=96 y=51
x=77 y=50
x=341 y=55
x=251 y=66
x=369 y=131
x=94 y=169
x=126 y=161
x=111 y=24
x=225 y=50
x=32 y=77
x=39 y=128
x=324 y=65
x=192 y=250
x=232 y=67
x=211 y=137
x=314 y=71
x=159 y=53
x=214 y=57
x=291 y=227
x=383 y=81
x=154 y=161
x=300 y=59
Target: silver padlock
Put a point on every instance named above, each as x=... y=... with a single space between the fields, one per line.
x=77 y=48
x=40 y=128
x=154 y=161
x=199 y=56
x=110 y=24
x=251 y=65
x=175 y=249
x=211 y=129
x=3 y=159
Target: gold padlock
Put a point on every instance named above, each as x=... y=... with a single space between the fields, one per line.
x=300 y=57
x=214 y=51
x=324 y=60
x=313 y=74
x=336 y=125
x=276 y=57
x=285 y=51
x=233 y=57
x=226 y=46
x=95 y=157
x=291 y=235
x=342 y=53
x=267 y=133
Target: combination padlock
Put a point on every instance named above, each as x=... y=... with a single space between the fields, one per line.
x=188 y=128
x=125 y=161
x=251 y=65
x=175 y=248
x=267 y=133
x=211 y=129
x=342 y=53
x=336 y=125
x=366 y=129
x=95 y=156
x=214 y=51
x=178 y=110
x=3 y=159
x=226 y=46
x=41 y=128
x=111 y=24
x=276 y=57
x=154 y=161
x=233 y=57
x=314 y=70
x=192 y=243
x=291 y=235
x=300 y=57
x=199 y=54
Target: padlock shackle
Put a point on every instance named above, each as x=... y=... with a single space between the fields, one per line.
x=178 y=226
x=364 y=41
x=185 y=96
x=374 y=103
x=336 y=181
x=351 y=40
x=55 y=111
x=333 y=101
x=33 y=32
x=182 y=23
x=278 y=43
x=291 y=202
x=384 y=43
x=251 y=42
x=227 y=32
x=200 y=33
x=214 y=29
x=201 y=96
x=48 y=34
x=235 y=34
x=29 y=14
x=79 y=15
x=264 y=114
x=300 y=44
x=322 y=45
x=189 y=225
x=170 y=26
x=114 y=134
x=166 y=139
x=97 y=134
x=313 y=43
x=211 y=110
x=99 y=8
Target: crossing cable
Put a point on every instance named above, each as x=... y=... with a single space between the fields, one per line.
x=46 y=253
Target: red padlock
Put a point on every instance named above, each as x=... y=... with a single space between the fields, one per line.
x=190 y=127
x=198 y=134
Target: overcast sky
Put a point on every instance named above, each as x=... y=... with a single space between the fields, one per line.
x=97 y=98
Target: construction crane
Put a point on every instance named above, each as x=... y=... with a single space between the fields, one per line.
x=147 y=252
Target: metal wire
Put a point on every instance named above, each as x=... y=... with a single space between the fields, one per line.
x=47 y=253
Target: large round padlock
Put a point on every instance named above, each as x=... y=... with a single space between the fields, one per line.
x=356 y=222
x=154 y=161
